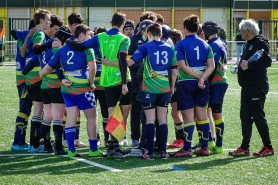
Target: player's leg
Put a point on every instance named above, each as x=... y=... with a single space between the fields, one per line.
x=77 y=141
x=87 y=103
x=25 y=105
x=47 y=119
x=58 y=109
x=70 y=127
x=135 y=119
x=37 y=116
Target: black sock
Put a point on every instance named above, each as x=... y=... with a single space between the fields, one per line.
x=115 y=144
x=58 y=133
x=46 y=133
x=106 y=134
x=179 y=130
x=36 y=123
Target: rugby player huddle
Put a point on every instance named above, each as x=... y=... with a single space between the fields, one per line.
x=61 y=70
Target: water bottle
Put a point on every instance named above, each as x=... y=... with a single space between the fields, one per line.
x=233 y=69
x=256 y=56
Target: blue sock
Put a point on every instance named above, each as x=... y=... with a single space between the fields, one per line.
x=20 y=121
x=204 y=130
x=150 y=137
x=70 y=133
x=163 y=135
x=188 y=133
x=219 y=128
x=93 y=145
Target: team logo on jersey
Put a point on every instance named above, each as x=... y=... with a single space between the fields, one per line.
x=136 y=52
x=250 y=47
x=147 y=96
x=139 y=42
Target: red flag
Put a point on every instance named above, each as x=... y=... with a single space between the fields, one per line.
x=116 y=125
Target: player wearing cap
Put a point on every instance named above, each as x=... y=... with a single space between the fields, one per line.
x=218 y=81
x=129 y=28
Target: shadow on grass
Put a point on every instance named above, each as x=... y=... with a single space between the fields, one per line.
x=51 y=165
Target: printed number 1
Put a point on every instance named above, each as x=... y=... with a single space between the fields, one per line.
x=198 y=54
x=71 y=53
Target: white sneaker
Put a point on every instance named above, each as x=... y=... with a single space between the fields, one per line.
x=124 y=143
x=65 y=143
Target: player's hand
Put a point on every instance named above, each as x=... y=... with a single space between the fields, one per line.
x=93 y=87
x=56 y=43
x=92 y=33
x=244 y=65
x=201 y=83
x=66 y=83
x=105 y=61
x=199 y=76
x=223 y=68
x=124 y=89
x=31 y=32
x=40 y=72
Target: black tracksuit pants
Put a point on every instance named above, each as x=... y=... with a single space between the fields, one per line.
x=252 y=106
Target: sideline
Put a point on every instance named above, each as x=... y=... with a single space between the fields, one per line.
x=74 y=158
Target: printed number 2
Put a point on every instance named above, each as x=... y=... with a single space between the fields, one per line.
x=165 y=56
x=198 y=54
x=71 y=53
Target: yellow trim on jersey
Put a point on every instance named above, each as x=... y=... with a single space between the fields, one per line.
x=38 y=68
x=203 y=122
x=218 y=121
x=77 y=80
x=53 y=76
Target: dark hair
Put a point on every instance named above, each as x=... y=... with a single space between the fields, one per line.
x=191 y=23
x=176 y=36
x=75 y=18
x=155 y=29
x=31 y=24
x=56 y=20
x=81 y=28
x=160 y=18
x=101 y=29
x=148 y=15
x=40 y=14
x=118 y=19
x=200 y=29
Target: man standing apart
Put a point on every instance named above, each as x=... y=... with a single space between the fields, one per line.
x=253 y=79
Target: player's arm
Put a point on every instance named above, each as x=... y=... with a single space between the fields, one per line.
x=19 y=44
x=25 y=45
x=210 y=65
x=50 y=65
x=41 y=48
x=174 y=72
x=91 y=43
x=31 y=64
x=106 y=62
x=90 y=58
x=137 y=56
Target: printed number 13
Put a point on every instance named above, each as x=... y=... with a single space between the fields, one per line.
x=198 y=54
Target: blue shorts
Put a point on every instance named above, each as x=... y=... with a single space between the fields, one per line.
x=82 y=101
x=146 y=97
x=191 y=95
x=217 y=93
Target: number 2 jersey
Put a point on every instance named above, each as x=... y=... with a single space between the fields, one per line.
x=158 y=58
x=195 y=52
x=74 y=64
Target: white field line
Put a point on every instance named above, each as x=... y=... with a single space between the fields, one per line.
x=240 y=90
x=75 y=158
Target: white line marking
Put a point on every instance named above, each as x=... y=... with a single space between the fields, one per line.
x=75 y=158
x=96 y=164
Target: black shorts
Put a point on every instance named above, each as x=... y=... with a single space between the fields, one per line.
x=34 y=91
x=113 y=95
x=53 y=95
x=174 y=97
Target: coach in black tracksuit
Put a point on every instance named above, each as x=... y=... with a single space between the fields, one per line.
x=253 y=79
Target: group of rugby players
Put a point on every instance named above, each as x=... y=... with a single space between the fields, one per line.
x=61 y=70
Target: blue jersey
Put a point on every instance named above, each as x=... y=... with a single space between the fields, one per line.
x=195 y=52
x=158 y=59
x=74 y=64
x=20 y=61
x=220 y=57
x=45 y=56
